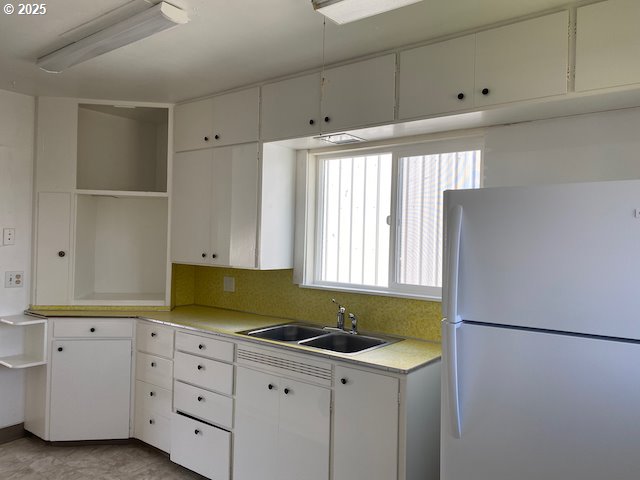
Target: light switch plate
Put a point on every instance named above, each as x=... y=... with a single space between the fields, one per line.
x=8 y=236
x=13 y=279
x=229 y=284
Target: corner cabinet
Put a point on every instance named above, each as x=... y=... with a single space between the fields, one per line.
x=101 y=192
x=225 y=204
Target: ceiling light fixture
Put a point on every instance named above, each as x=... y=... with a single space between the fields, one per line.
x=340 y=138
x=345 y=11
x=161 y=16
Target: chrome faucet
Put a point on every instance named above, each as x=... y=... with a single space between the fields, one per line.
x=340 y=315
x=354 y=323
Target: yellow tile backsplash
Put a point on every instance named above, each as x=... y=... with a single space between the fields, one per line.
x=273 y=293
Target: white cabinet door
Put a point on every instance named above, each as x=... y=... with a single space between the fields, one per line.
x=236 y=117
x=191 y=207
x=521 y=61
x=365 y=426
x=304 y=433
x=256 y=426
x=90 y=389
x=193 y=125
x=437 y=78
x=234 y=210
x=52 y=249
x=291 y=108
x=359 y=94
x=607 y=45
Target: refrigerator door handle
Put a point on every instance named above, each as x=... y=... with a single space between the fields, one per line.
x=450 y=343
x=455 y=225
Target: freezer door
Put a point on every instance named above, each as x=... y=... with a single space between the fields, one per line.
x=558 y=257
x=537 y=405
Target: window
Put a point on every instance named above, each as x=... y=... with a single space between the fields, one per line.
x=377 y=217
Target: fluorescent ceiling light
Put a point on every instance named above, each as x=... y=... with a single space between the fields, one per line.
x=345 y=11
x=142 y=25
x=340 y=138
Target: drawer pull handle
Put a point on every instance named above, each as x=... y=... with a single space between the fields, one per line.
x=92 y=329
x=201 y=347
x=151 y=394
x=200 y=399
x=270 y=387
x=152 y=421
x=343 y=381
x=154 y=334
x=196 y=431
x=200 y=367
x=153 y=364
x=286 y=391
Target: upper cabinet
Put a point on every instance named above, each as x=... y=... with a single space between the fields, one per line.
x=607 y=45
x=516 y=62
x=222 y=120
x=291 y=108
x=359 y=94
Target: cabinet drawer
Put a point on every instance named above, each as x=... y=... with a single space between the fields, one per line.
x=153 y=398
x=210 y=407
x=204 y=373
x=93 y=327
x=155 y=370
x=200 y=447
x=154 y=339
x=153 y=429
x=204 y=346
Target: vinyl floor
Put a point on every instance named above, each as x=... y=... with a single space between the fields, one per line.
x=33 y=459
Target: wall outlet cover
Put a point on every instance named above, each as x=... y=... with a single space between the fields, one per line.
x=13 y=279
x=229 y=284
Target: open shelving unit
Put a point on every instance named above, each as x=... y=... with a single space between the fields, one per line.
x=25 y=343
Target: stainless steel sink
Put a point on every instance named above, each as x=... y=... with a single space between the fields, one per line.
x=345 y=342
x=287 y=333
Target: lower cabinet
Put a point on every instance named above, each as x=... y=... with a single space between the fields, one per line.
x=90 y=389
x=282 y=428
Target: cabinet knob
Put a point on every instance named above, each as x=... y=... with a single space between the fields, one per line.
x=92 y=329
x=327 y=119
x=206 y=139
x=60 y=349
x=343 y=381
x=461 y=96
x=200 y=367
x=286 y=391
x=196 y=431
x=152 y=394
x=217 y=137
x=312 y=121
x=154 y=334
x=62 y=253
x=201 y=347
x=213 y=255
x=204 y=255
x=270 y=386
x=153 y=364
x=151 y=421
x=200 y=399
x=485 y=91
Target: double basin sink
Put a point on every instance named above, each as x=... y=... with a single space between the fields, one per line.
x=321 y=338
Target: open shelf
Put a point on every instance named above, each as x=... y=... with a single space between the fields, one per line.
x=23 y=341
x=22 y=320
x=22 y=361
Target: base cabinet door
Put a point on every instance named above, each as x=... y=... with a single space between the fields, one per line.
x=365 y=426
x=281 y=429
x=90 y=389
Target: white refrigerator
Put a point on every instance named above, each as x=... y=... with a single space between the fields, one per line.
x=541 y=335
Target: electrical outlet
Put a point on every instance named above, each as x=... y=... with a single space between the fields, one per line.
x=229 y=284
x=13 y=279
x=8 y=236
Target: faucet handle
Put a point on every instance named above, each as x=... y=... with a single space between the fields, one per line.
x=354 y=323
x=341 y=309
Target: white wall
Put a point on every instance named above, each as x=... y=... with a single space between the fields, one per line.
x=582 y=148
x=16 y=178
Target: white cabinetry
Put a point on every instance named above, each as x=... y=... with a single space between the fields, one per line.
x=359 y=94
x=282 y=428
x=223 y=197
x=90 y=379
x=222 y=120
x=291 y=108
x=154 y=385
x=607 y=45
x=24 y=341
x=516 y=62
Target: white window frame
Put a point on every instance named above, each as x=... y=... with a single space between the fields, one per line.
x=309 y=197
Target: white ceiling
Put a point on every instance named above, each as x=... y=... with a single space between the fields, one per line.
x=227 y=44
